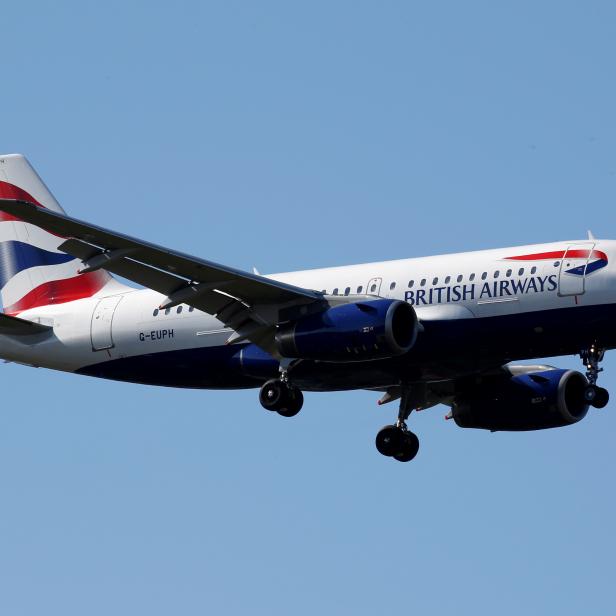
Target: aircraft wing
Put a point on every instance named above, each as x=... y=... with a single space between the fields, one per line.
x=248 y=303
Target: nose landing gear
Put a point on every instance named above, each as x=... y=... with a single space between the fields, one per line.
x=397 y=441
x=595 y=396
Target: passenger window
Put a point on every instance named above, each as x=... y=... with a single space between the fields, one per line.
x=533 y=270
x=167 y=310
x=179 y=310
x=335 y=291
x=155 y=313
x=521 y=272
x=411 y=283
x=484 y=275
x=435 y=281
x=471 y=277
x=496 y=274
x=459 y=278
x=347 y=290
x=359 y=289
x=373 y=288
x=508 y=273
x=392 y=286
x=191 y=308
x=423 y=282
x=448 y=280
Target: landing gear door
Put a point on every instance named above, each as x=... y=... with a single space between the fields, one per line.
x=374 y=286
x=102 y=319
x=572 y=275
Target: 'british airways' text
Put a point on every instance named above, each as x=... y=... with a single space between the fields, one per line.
x=484 y=290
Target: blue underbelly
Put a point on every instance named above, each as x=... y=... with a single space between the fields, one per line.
x=444 y=349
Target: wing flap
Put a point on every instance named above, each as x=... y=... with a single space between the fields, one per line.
x=164 y=282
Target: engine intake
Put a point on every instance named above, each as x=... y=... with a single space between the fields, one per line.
x=351 y=332
x=533 y=401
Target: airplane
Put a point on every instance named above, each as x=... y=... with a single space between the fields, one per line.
x=423 y=331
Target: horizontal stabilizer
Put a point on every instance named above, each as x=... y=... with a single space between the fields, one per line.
x=14 y=326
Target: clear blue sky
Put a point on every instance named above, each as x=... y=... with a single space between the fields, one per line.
x=291 y=135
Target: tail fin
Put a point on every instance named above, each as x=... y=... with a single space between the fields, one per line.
x=33 y=272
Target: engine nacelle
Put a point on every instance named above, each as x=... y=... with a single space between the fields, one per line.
x=351 y=332
x=533 y=401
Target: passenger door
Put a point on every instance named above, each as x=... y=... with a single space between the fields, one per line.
x=102 y=319
x=572 y=274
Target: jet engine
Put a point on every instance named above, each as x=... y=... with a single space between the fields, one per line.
x=358 y=331
x=533 y=401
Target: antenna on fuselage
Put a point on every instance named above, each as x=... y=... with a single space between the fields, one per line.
x=590 y=235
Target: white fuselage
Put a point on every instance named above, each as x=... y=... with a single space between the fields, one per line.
x=474 y=285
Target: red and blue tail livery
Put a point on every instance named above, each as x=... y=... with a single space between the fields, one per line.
x=33 y=272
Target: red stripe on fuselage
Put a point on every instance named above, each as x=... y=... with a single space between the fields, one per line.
x=559 y=254
x=60 y=291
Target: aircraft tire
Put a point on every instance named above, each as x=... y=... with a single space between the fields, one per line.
x=272 y=395
x=410 y=448
x=293 y=402
x=602 y=397
x=390 y=441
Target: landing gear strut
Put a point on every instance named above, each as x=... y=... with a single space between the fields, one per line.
x=397 y=441
x=595 y=396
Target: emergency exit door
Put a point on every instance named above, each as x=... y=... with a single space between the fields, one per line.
x=374 y=286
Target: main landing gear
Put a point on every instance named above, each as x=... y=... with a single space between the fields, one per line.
x=280 y=396
x=397 y=441
x=595 y=396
